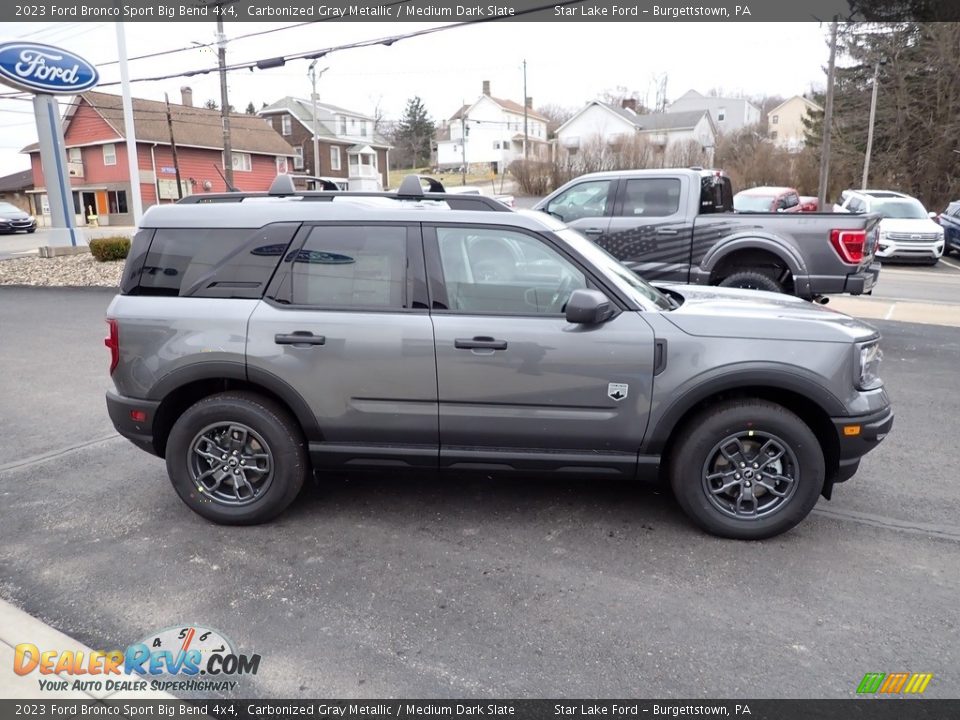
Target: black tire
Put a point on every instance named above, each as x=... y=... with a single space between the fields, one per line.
x=696 y=458
x=31 y=232
x=751 y=280
x=270 y=432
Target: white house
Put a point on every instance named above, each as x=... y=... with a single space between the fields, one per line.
x=728 y=113
x=490 y=132
x=600 y=122
x=785 y=122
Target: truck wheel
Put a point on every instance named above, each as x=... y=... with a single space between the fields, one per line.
x=236 y=458
x=746 y=469
x=751 y=280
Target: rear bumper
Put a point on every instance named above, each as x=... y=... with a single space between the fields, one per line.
x=859 y=435
x=140 y=433
x=858 y=283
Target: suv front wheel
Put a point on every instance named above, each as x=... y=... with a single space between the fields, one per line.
x=747 y=469
x=236 y=458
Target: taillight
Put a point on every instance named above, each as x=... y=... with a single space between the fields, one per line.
x=849 y=244
x=112 y=341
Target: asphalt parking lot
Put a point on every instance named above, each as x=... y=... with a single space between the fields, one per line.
x=385 y=585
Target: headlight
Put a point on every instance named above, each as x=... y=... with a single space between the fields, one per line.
x=868 y=358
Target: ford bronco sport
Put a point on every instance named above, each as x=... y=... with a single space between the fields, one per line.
x=257 y=337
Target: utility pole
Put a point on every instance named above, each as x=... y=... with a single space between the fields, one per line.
x=525 y=153
x=827 y=120
x=312 y=71
x=463 y=143
x=873 y=115
x=173 y=150
x=224 y=102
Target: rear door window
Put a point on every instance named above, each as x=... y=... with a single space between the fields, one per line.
x=651 y=197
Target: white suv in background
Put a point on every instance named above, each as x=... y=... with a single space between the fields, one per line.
x=907 y=230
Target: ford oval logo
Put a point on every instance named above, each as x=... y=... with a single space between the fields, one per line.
x=45 y=69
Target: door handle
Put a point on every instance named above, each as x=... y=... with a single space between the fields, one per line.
x=300 y=338
x=479 y=343
x=593 y=231
x=667 y=231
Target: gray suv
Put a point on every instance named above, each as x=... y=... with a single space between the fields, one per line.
x=259 y=337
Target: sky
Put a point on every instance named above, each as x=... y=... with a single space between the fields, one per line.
x=568 y=63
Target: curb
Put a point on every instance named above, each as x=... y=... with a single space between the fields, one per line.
x=910 y=311
x=16 y=627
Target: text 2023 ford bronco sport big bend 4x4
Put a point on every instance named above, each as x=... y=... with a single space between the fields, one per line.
x=255 y=337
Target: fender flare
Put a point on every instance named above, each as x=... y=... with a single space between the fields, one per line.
x=226 y=370
x=794 y=379
x=754 y=241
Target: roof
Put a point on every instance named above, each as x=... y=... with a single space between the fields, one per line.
x=17 y=181
x=810 y=104
x=302 y=110
x=192 y=126
x=508 y=105
x=694 y=95
x=766 y=190
x=652 y=122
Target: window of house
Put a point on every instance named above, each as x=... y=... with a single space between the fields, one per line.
x=343 y=126
x=298 y=157
x=363 y=128
x=117 y=201
x=242 y=162
x=721 y=114
x=775 y=120
x=773 y=134
x=282 y=165
x=286 y=125
x=335 y=157
x=352 y=266
x=109 y=154
x=74 y=155
x=492 y=270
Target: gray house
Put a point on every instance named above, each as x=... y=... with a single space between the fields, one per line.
x=729 y=114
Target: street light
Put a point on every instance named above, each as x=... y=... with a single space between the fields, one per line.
x=873 y=114
x=312 y=72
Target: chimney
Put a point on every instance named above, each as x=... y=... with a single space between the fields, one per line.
x=529 y=103
x=186 y=96
x=486 y=87
x=629 y=104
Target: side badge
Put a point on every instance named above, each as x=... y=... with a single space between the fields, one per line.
x=617 y=391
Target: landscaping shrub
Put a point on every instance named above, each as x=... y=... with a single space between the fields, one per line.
x=110 y=248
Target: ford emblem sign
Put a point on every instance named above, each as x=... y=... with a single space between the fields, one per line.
x=40 y=68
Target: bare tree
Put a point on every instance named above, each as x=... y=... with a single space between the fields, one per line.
x=556 y=116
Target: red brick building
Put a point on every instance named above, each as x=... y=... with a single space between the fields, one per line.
x=95 y=139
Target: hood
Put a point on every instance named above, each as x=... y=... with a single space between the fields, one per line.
x=731 y=312
x=907 y=225
x=13 y=215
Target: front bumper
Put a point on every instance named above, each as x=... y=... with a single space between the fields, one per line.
x=139 y=432
x=893 y=249
x=12 y=226
x=857 y=436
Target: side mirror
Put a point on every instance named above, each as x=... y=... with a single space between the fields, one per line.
x=932 y=215
x=588 y=307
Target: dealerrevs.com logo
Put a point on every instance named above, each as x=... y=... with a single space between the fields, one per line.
x=177 y=659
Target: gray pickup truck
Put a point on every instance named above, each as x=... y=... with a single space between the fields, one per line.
x=678 y=225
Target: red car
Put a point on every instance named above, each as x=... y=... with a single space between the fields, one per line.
x=809 y=203
x=767 y=200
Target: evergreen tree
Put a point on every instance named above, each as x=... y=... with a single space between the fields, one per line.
x=414 y=134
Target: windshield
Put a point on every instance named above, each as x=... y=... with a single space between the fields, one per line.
x=902 y=209
x=752 y=203
x=626 y=280
x=8 y=208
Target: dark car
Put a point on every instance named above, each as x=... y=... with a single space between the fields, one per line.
x=949 y=220
x=13 y=219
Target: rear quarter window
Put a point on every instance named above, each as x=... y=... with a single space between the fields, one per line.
x=208 y=262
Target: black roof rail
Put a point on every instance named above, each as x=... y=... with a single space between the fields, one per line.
x=410 y=189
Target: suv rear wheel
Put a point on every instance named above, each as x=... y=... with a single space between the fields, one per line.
x=236 y=458
x=747 y=469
